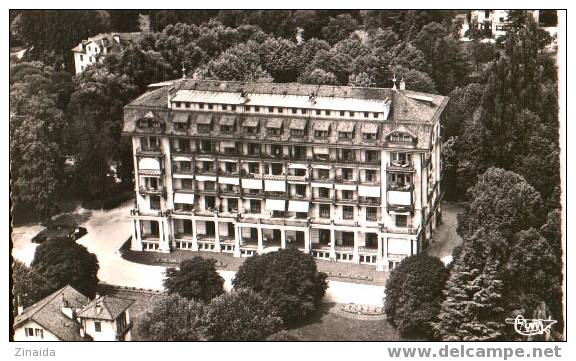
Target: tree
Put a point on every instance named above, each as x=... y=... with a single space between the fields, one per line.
x=240 y=62
x=533 y=275
x=339 y=27
x=95 y=110
x=28 y=287
x=415 y=80
x=241 y=315
x=318 y=77
x=414 y=294
x=36 y=144
x=448 y=64
x=279 y=58
x=288 y=278
x=72 y=26
x=501 y=201
x=173 y=318
x=197 y=279
x=473 y=309
x=61 y=261
x=361 y=80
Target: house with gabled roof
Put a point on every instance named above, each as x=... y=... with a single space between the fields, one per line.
x=68 y=315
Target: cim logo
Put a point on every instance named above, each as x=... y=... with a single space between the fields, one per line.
x=531 y=327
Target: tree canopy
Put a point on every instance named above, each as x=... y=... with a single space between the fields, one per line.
x=196 y=279
x=62 y=261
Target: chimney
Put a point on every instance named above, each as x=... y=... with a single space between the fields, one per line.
x=183 y=72
x=394 y=81
x=402 y=84
x=67 y=309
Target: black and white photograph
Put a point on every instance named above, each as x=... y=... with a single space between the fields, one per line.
x=395 y=178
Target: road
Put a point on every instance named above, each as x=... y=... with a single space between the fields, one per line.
x=108 y=230
x=446 y=237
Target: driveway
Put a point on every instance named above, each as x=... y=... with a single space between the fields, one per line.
x=446 y=237
x=109 y=229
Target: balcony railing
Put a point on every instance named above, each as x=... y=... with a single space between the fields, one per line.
x=340 y=179
x=152 y=190
x=401 y=230
x=350 y=200
x=400 y=166
x=183 y=170
x=145 y=150
x=370 y=201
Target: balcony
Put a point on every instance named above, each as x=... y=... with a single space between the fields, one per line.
x=401 y=230
x=181 y=151
x=148 y=212
x=324 y=158
x=277 y=156
x=400 y=166
x=371 y=161
x=297 y=178
x=182 y=170
x=340 y=179
x=369 y=201
x=149 y=151
x=349 y=200
x=299 y=197
x=205 y=171
x=276 y=195
x=152 y=190
x=322 y=199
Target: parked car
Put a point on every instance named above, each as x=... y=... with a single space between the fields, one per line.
x=59 y=231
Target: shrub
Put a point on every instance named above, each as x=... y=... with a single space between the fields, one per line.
x=288 y=278
x=414 y=294
x=241 y=315
x=196 y=279
x=173 y=318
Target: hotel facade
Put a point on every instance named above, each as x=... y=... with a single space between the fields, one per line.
x=347 y=174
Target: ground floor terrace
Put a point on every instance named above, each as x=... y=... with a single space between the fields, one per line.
x=369 y=244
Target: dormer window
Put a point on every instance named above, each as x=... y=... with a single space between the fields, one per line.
x=369 y=131
x=210 y=106
x=224 y=107
x=270 y=109
x=200 y=105
x=318 y=112
x=280 y=110
x=233 y=107
x=250 y=126
x=204 y=124
x=226 y=124
x=346 y=130
x=366 y=114
x=297 y=127
x=327 y=112
x=180 y=122
x=256 y=109
x=342 y=113
x=274 y=127
x=375 y=115
x=294 y=111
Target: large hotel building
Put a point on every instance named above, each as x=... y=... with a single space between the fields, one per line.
x=347 y=174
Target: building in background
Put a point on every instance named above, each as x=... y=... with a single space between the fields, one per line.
x=68 y=315
x=97 y=48
x=346 y=174
x=496 y=22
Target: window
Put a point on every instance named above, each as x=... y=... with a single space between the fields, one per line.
x=232 y=205
x=318 y=112
x=257 y=109
x=294 y=110
x=81 y=57
x=224 y=107
x=177 y=104
x=321 y=134
x=323 y=174
x=280 y=110
x=347 y=173
x=209 y=202
x=254 y=168
x=345 y=135
x=371 y=213
x=342 y=113
x=270 y=109
x=209 y=186
x=187 y=183
x=230 y=167
x=375 y=115
x=201 y=105
x=369 y=136
x=210 y=106
x=226 y=128
x=323 y=192
x=204 y=128
x=300 y=190
x=233 y=107
x=250 y=130
x=155 y=202
x=29 y=332
x=347 y=212
x=352 y=114
x=302 y=111
x=327 y=112
x=401 y=220
x=274 y=131
x=370 y=175
x=366 y=114
x=97 y=326
x=255 y=206
x=187 y=105
x=346 y=194
x=180 y=126
x=297 y=132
